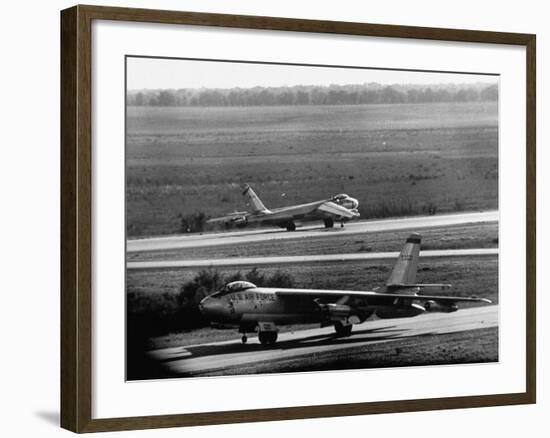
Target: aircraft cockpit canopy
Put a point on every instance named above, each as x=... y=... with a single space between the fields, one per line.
x=341 y=196
x=234 y=286
x=238 y=286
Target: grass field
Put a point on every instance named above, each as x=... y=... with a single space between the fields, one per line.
x=483 y=235
x=396 y=159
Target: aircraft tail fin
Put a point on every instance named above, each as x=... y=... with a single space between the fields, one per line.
x=253 y=199
x=404 y=270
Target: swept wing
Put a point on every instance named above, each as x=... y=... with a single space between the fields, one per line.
x=371 y=296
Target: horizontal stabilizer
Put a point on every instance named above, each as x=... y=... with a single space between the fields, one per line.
x=422 y=285
x=232 y=217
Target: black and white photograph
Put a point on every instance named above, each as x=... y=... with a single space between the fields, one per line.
x=307 y=218
x=275 y=219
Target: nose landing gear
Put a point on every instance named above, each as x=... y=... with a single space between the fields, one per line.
x=244 y=339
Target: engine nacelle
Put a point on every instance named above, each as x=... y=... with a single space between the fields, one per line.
x=238 y=222
x=399 y=311
x=342 y=312
x=434 y=306
x=336 y=312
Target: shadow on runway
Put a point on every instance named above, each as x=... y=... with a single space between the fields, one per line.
x=259 y=231
x=297 y=232
x=357 y=337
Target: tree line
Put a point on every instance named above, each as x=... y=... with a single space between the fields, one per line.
x=313 y=95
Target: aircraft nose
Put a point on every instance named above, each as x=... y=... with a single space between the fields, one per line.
x=354 y=203
x=212 y=308
x=204 y=305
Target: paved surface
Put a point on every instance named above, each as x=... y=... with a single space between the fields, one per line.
x=229 y=356
x=256 y=261
x=238 y=237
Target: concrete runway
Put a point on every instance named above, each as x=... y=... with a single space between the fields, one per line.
x=257 y=261
x=198 y=240
x=229 y=356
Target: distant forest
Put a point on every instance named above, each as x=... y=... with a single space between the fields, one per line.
x=354 y=94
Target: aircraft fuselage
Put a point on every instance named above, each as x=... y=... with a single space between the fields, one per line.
x=263 y=304
x=259 y=304
x=282 y=215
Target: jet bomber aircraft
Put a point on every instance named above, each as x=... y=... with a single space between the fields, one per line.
x=250 y=308
x=340 y=207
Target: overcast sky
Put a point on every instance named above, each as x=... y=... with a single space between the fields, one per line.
x=156 y=73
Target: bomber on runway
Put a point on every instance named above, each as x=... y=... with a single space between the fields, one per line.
x=251 y=308
x=340 y=208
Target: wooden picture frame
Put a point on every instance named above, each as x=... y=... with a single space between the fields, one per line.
x=76 y=217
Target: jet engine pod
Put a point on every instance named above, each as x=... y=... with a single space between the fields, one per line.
x=434 y=306
x=411 y=310
x=336 y=312
x=240 y=221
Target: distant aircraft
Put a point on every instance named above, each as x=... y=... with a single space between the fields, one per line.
x=250 y=308
x=340 y=207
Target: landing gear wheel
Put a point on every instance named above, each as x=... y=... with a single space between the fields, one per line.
x=342 y=330
x=291 y=226
x=267 y=338
x=244 y=339
x=329 y=222
x=342 y=224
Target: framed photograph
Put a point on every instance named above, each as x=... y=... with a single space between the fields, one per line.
x=269 y=218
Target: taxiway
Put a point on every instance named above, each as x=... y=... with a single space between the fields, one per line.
x=230 y=357
x=200 y=240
